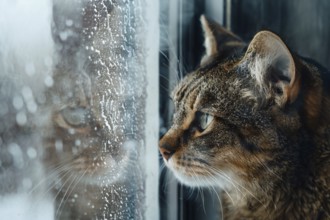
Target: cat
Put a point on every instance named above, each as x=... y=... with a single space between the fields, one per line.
x=93 y=136
x=253 y=120
x=72 y=106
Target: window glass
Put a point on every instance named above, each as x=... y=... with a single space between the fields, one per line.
x=74 y=84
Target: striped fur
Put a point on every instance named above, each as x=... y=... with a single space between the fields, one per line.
x=268 y=145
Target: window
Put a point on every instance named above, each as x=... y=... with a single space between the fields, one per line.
x=181 y=48
x=78 y=109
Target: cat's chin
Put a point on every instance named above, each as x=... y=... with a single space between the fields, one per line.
x=112 y=172
x=194 y=181
x=203 y=181
x=108 y=172
x=103 y=179
x=227 y=181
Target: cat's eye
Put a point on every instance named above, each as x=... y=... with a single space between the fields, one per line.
x=75 y=116
x=203 y=120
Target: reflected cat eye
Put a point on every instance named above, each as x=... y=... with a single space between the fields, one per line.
x=75 y=116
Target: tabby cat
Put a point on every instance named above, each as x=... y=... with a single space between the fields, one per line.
x=253 y=120
x=92 y=139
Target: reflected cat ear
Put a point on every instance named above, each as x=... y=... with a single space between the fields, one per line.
x=218 y=41
x=272 y=66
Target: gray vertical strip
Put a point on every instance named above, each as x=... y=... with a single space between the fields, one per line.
x=228 y=14
x=171 y=184
x=173 y=34
x=215 y=10
x=151 y=108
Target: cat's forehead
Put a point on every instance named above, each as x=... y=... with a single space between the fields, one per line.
x=199 y=88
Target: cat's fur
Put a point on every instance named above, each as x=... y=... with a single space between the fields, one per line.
x=92 y=137
x=253 y=119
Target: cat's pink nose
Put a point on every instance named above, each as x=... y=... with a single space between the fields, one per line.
x=169 y=143
x=166 y=152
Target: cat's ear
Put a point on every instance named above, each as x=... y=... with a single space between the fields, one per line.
x=218 y=41
x=272 y=66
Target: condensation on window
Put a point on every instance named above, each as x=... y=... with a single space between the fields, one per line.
x=78 y=109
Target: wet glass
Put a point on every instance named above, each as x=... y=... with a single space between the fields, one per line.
x=74 y=84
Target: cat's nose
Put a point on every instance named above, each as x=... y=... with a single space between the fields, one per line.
x=167 y=151
x=170 y=143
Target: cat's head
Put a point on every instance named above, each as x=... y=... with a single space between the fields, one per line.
x=86 y=139
x=236 y=115
x=93 y=134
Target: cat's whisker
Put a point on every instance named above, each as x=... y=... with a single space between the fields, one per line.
x=203 y=199
x=222 y=176
x=270 y=171
x=77 y=181
x=219 y=199
x=215 y=180
x=60 y=173
x=49 y=188
x=169 y=180
x=178 y=63
x=162 y=168
x=69 y=189
x=245 y=189
x=60 y=176
x=165 y=90
x=235 y=184
x=211 y=187
x=265 y=166
x=196 y=178
x=63 y=184
x=179 y=68
x=59 y=191
x=48 y=176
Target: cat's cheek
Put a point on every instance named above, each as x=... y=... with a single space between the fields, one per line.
x=110 y=172
x=183 y=176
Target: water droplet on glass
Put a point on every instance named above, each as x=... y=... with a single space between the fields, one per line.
x=32 y=106
x=3 y=108
x=69 y=22
x=49 y=81
x=31 y=152
x=41 y=98
x=30 y=69
x=27 y=93
x=77 y=142
x=18 y=102
x=64 y=35
x=21 y=118
x=71 y=131
x=74 y=151
x=16 y=152
x=27 y=183
x=59 y=145
x=48 y=61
